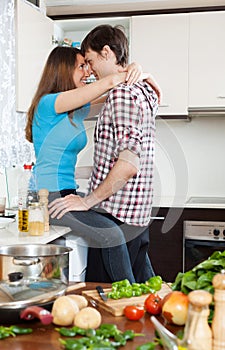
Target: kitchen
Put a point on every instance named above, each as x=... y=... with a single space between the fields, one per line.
x=189 y=171
x=189 y=155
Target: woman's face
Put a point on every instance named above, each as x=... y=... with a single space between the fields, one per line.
x=81 y=71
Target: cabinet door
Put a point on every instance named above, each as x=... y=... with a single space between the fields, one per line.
x=160 y=44
x=33 y=44
x=207 y=59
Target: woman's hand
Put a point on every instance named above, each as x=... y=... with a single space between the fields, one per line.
x=134 y=72
x=61 y=206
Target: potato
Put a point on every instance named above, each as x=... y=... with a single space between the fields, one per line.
x=79 y=299
x=88 y=317
x=64 y=310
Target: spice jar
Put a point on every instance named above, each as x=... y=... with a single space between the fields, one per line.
x=36 y=219
x=43 y=199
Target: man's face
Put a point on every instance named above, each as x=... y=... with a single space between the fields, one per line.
x=101 y=65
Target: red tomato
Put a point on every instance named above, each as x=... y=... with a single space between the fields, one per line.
x=153 y=304
x=133 y=312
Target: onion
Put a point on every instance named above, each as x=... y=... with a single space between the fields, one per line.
x=175 y=308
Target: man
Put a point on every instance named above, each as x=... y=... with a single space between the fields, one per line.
x=121 y=182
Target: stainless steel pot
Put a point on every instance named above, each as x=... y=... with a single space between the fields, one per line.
x=32 y=274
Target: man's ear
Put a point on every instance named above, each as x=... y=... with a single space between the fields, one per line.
x=106 y=51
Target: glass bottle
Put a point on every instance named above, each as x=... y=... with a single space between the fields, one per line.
x=197 y=332
x=23 y=186
x=36 y=219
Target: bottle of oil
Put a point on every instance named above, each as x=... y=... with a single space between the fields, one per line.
x=26 y=194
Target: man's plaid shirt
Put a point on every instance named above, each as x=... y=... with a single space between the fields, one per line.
x=127 y=121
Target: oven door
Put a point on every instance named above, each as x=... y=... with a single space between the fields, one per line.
x=196 y=251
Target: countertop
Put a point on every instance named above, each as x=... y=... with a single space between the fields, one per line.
x=46 y=338
x=10 y=235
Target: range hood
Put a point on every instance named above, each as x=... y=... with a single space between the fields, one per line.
x=206 y=111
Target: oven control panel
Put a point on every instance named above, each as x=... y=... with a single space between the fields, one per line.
x=204 y=230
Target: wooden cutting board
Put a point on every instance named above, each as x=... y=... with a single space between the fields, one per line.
x=115 y=307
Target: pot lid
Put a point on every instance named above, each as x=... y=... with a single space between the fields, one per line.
x=23 y=292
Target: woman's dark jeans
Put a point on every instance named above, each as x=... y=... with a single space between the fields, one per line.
x=110 y=240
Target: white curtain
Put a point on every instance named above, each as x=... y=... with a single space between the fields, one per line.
x=14 y=149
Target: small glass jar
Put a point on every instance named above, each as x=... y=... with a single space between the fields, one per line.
x=36 y=219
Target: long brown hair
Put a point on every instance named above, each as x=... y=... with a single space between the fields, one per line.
x=57 y=76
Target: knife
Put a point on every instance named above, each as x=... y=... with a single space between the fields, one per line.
x=101 y=293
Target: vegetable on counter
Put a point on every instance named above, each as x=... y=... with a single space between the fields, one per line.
x=107 y=337
x=175 y=308
x=153 y=304
x=88 y=317
x=134 y=312
x=13 y=331
x=124 y=289
x=200 y=277
x=66 y=307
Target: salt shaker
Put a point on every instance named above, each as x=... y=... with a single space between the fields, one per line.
x=197 y=332
x=218 y=322
x=43 y=199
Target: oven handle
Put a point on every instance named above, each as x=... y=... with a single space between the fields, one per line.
x=198 y=242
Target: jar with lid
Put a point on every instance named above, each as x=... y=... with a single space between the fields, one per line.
x=36 y=219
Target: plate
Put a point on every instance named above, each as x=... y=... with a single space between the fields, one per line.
x=4 y=222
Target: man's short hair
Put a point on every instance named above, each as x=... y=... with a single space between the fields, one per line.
x=114 y=37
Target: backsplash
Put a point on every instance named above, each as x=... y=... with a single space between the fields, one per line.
x=189 y=160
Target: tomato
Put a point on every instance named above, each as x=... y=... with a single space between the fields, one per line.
x=153 y=304
x=133 y=312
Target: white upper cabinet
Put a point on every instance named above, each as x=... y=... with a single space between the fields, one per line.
x=160 y=44
x=207 y=60
x=33 y=44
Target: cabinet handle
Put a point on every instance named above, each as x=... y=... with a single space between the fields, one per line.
x=157 y=217
x=163 y=106
x=221 y=96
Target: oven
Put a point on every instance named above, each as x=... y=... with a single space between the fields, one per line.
x=201 y=239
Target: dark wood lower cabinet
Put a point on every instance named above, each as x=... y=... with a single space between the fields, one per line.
x=166 y=237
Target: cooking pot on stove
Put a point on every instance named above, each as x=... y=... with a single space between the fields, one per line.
x=32 y=274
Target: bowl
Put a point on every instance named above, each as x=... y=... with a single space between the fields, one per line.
x=4 y=222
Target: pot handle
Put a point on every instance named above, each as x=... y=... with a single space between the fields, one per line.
x=26 y=262
x=37 y=312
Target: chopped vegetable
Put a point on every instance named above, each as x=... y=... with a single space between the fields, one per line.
x=106 y=337
x=123 y=289
x=6 y=332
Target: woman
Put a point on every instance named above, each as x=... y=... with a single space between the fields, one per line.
x=55 y=126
